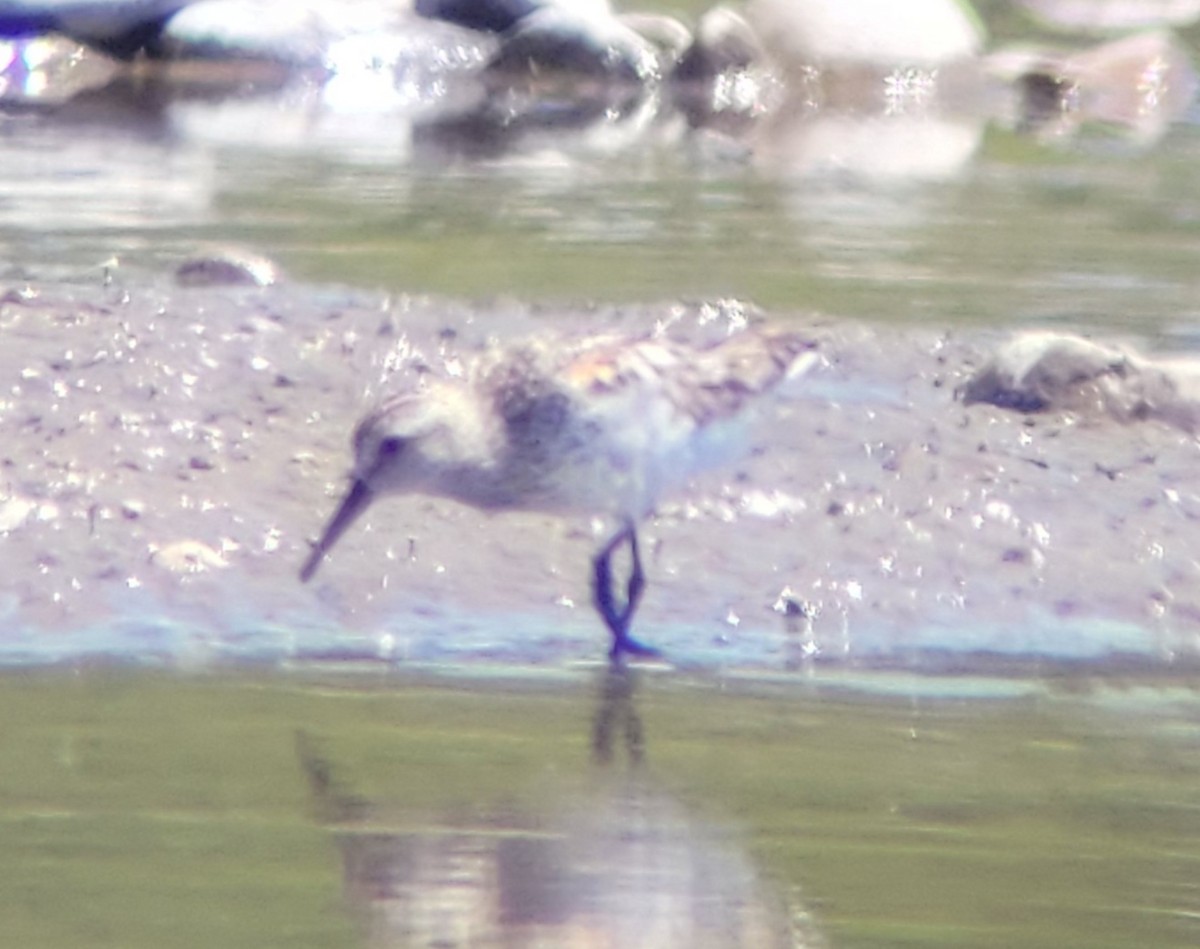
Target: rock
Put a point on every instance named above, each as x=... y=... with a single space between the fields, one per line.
x=227 y=268
x=1046 y=371
x=188 y=556
x=1040 y=371
x=667 y=35
x=491 y=16
x=1107 y=16
x=569 y=42
x=14 y=511
x=724 y=42
x=52 y=69
x=880 y=32
x=1141 y=83
x=120 y=28
x=292 y=33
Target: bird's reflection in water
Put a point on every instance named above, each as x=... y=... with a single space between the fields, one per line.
x=624 y=866
x=617 y=713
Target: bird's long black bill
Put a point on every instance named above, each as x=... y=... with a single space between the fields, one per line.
x=357 y=499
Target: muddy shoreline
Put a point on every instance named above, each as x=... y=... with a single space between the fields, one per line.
x=169 y=452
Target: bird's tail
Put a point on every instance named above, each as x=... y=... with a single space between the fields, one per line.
x=794 y=353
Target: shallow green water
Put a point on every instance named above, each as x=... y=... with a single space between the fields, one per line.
x=1024 y=238
x=150 y=810
x=1095 y=228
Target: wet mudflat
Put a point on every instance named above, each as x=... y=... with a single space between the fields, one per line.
x=170 y=453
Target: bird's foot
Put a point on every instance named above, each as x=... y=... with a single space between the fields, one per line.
x=625 y=645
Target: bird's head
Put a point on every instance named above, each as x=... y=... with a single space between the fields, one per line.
x=408 y=444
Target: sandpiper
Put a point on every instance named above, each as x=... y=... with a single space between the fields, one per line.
x=603 y=426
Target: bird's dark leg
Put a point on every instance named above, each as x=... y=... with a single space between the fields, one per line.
x=602 y=587
x=618 y=619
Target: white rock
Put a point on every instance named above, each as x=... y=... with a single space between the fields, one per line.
x=187 y=556
x=1048 y=371
x=882 y=32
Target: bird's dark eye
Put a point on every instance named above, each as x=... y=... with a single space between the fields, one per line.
x=391 y=446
